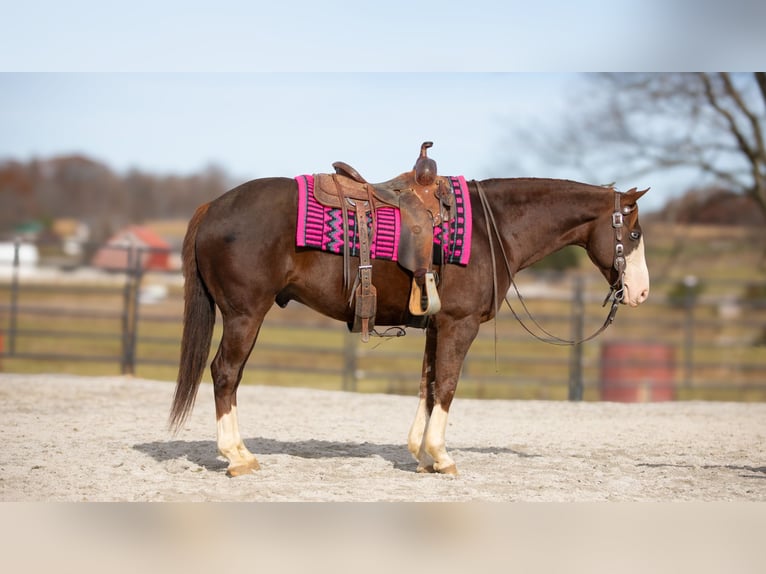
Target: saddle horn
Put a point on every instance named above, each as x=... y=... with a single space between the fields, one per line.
x=425 y=167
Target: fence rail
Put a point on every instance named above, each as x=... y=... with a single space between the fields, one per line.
x=695 y=343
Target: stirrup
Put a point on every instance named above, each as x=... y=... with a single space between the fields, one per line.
x=432 y=302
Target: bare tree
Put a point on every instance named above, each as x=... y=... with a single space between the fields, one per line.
x=712 y=124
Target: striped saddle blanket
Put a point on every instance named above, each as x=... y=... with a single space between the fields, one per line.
x=321 y=227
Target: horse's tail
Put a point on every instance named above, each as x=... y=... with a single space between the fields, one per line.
x=199 y=320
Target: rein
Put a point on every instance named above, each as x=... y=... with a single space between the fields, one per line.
x=616 y=291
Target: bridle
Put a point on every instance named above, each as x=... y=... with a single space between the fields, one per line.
x=616 y=290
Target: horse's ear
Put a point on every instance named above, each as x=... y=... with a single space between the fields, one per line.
x=632 y=195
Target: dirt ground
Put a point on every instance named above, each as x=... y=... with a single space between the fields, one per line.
x=67 y=438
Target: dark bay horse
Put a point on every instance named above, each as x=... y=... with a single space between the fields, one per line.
x=239 y=255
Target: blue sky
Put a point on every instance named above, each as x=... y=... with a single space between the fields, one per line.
x=282 y=88
x=260 y=124
x=305 y=35
x=395 y=35
x=285 y=124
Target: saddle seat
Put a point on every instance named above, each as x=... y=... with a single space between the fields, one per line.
x=424 y=170
x=347 y=184
x=424 y=200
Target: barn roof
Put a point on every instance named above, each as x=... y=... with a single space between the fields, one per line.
x=140 y=234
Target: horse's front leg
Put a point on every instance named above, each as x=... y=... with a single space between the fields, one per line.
x=453 y=339
x=416 y=439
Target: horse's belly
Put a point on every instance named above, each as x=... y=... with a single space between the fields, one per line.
x=318 y=283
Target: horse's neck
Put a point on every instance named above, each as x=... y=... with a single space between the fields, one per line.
x=537 y=217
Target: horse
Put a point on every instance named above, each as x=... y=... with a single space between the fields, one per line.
x=240 y=256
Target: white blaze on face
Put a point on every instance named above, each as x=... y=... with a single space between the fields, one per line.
x=636 y=276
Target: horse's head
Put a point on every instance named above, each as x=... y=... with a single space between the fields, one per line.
x=616 y=246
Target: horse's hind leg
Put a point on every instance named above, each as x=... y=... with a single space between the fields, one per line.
x=239 y=334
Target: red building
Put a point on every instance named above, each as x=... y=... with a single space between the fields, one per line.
x=123 y=250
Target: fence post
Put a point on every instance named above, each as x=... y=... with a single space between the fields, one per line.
x=578 y=329
x=133 y=277
x=125 y=362
x=690 y=302
x=14 y=318
x=138 y=277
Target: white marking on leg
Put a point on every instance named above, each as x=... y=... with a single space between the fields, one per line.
x=415 y=440
x=436 y=440
x=226 y=428
x=636 y=276
x=230 y=443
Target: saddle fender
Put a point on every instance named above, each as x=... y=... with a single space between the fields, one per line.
x=416 y=235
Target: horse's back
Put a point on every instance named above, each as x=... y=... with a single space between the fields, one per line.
x=259 y=207
x=266 y=194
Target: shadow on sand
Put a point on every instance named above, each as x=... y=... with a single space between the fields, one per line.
x=205 y=452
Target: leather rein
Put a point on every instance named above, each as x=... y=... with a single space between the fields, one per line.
x=616 y=291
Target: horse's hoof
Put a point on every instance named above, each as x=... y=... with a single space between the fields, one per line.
x=426 y=469
x=241 y=469
x=450 y=470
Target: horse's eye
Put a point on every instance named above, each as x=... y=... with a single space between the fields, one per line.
x=635 y=235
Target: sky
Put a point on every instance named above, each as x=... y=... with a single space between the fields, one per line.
x=283 y=88
x=263 y=124
x=395 y=35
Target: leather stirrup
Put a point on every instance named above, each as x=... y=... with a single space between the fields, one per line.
x=433 y=303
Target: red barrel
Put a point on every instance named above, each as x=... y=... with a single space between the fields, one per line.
x=637 y=372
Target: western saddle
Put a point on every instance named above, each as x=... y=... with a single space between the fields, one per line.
x=424 y=200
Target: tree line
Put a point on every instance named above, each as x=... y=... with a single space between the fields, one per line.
x=78 y=187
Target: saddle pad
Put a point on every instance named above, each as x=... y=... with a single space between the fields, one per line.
x=321 y=227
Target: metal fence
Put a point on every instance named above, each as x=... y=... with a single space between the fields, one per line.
x=690 y=341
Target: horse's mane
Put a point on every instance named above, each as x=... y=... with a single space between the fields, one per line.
x=547 y=183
